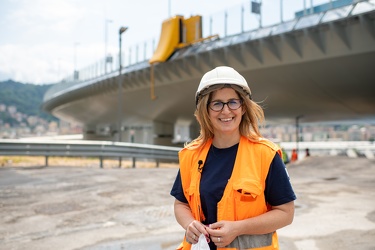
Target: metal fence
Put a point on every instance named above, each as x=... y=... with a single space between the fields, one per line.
x=99 y=149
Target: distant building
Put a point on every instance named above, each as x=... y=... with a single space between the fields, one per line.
x=3 y=107
x=12 y=109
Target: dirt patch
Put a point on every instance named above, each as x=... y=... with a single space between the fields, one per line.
x=57 y=208
x=347 y=240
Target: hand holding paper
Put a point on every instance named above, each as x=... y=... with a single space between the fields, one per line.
x=202 y=244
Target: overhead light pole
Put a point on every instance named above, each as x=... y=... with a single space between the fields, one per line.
x=281 y=11
x=75 y=71
x=106 y=56
x=169 y=8
x=119 y=127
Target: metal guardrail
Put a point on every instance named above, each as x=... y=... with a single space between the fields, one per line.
x=99 y=149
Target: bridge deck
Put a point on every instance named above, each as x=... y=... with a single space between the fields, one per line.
x=320 y=66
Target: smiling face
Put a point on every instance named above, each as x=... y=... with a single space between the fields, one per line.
x=227 y=121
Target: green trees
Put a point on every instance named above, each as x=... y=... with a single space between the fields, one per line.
x=27 y=98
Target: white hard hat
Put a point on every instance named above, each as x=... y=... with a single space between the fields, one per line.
x=222 y=75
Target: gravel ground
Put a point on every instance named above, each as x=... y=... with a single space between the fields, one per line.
x=92 y=208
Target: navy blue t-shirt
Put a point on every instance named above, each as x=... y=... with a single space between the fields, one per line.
x=215 y=175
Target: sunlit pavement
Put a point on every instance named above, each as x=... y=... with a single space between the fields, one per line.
x=92 y=208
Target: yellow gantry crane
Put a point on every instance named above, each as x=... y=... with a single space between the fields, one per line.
x=177 y=32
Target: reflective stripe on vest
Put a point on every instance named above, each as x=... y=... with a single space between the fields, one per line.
x=251 y=241
x=244 y=194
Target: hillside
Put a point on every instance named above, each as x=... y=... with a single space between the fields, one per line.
x=27 y=98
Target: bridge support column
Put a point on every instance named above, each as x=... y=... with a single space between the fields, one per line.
x=137 y=133
x=162 y=133
x=185 y=130
x=101 y=133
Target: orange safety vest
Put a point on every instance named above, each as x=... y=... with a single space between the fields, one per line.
x=243 y=196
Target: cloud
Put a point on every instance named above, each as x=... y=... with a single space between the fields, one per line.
x=29 y=64
x=39 y=46
x=40 y=35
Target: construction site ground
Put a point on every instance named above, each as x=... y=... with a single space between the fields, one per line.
x=82 y=206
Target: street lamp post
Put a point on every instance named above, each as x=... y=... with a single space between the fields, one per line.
x=75 y=71
x=106 y=42
x=281 y=11
x=122 y=30
x=169 y=8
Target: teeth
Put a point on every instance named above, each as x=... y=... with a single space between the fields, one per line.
x=226 y=120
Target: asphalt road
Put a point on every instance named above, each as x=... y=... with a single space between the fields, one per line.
x=92 y=208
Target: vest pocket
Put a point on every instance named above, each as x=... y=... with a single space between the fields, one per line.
x=247 y=194
x=248 y=189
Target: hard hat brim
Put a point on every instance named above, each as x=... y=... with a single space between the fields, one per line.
x=214 y=87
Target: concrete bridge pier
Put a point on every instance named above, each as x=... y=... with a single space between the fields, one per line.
x=99 y=133
x=152 y=132
x=185 y=130
x=176 y=134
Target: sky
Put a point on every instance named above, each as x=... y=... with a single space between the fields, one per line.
x=44 y=41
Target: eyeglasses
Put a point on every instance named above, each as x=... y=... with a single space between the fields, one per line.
x=232 y=104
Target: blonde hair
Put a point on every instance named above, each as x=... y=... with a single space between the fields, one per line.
x=252 y=118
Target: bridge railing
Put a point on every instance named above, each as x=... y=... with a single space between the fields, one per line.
x=238 y=19
x=96 y=149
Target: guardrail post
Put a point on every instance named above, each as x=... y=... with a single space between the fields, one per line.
x=133 y=162
x=157 y=163
x=101 y=161
x=119 y=162
x=46 y=161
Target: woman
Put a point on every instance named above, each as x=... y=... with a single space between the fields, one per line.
x=232 y=185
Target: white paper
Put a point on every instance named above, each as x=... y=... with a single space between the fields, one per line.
x=201 y=244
